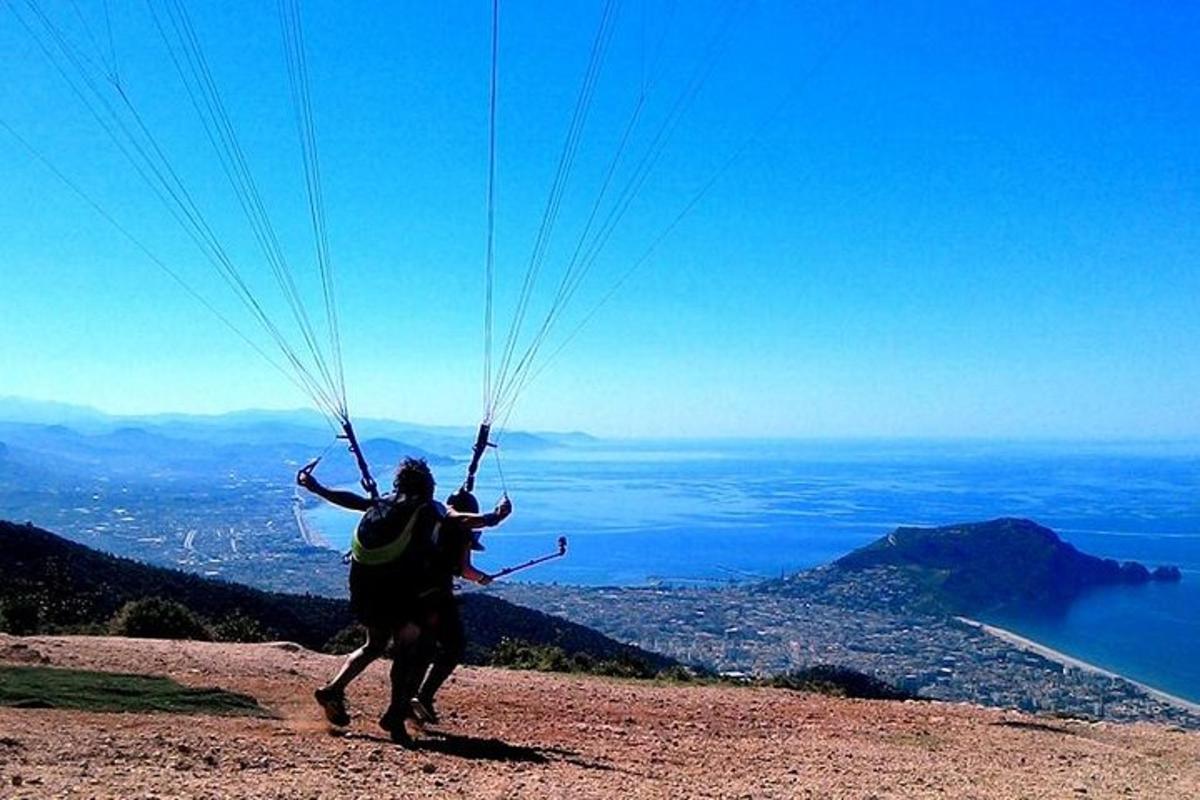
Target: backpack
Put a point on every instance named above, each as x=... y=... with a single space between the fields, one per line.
x=390 y=532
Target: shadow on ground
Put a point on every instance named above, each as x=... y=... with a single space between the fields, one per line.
x=480 y=749
x=1034 y=726
x=477 y=748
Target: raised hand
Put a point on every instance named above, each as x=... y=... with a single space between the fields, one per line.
x=503 y=508
x=305 y=478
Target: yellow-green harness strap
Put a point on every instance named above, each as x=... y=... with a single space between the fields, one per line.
x=373 y=556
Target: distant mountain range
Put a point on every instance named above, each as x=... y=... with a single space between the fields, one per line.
x=49 y=584
x=965 y=569
x=270 y=425
x=61 y=439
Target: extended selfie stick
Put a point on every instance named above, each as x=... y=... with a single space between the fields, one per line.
x=562 y=551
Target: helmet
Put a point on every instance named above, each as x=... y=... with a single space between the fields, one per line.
x=463 y=501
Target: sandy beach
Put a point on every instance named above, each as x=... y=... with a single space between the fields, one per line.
x=1016 y=640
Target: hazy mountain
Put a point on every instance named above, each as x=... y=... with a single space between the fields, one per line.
x=44 y=412
x=296 y=429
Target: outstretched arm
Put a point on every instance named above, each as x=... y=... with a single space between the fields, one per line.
x=338 y=497
x=493 y=517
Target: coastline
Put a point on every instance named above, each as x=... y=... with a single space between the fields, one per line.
x=311 y=536
x=1027 y=644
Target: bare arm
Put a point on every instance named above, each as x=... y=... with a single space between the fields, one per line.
x=491 y=518
x=468 y=570
x=338 y=497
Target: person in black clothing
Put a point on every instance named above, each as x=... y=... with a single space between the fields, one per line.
x=443 y=620
x=390 y=555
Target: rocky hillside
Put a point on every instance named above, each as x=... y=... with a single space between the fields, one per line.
x=517 y=734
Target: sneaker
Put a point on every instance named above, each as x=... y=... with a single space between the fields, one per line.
x=333 y=703
x=392 y=721
x=423 y=710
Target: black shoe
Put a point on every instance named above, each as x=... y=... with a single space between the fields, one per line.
x=333 y=703
x=392 y=721
x=424 y=711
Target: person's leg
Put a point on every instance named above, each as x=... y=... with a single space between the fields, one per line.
x=360 y=659
x=409 y=659
x=452 y=643
x=332 y=696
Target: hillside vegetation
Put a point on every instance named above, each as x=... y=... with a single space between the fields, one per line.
x=49 y=584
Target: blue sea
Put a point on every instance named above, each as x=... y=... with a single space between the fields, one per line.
x=640 y=513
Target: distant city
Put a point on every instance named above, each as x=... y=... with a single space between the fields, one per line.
x=736 y=630
x=157 y=496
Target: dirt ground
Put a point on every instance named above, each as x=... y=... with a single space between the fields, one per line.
x=509 y=734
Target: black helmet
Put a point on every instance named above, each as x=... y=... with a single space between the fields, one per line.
x=463 y=501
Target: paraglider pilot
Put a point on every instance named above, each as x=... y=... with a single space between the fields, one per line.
x=392 y=553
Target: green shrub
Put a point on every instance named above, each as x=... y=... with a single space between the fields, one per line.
x=519 y=654
x=347 y=640
x=677 y=674
x=839 y=682
x=239 y=627
x=22 y=616
x=83 y=629
x=582 y=662
x=156 y=618
x=623 y=667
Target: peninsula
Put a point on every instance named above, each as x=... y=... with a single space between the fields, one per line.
x=898 y=609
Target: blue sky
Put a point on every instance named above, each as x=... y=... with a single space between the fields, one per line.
x=970 y=219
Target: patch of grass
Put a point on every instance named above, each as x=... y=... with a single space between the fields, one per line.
x=84 y=690
x=520 y=654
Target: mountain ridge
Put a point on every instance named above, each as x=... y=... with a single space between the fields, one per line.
x=56 y=584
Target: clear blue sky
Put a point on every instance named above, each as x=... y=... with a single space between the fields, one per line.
x=973 y=219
